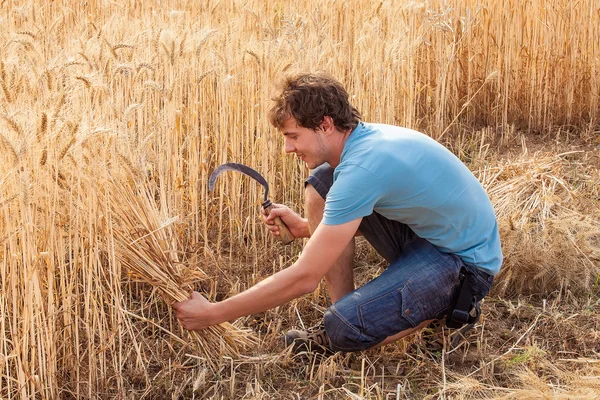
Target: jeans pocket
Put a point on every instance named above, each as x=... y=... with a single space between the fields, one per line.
x=388 y=314
x=379 y=317
x=412 y=309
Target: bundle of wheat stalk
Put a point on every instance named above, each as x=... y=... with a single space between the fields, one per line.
x=141 y=236
x=550 y=234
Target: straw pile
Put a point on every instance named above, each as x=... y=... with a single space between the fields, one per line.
x=143 y=238
x=549 y=227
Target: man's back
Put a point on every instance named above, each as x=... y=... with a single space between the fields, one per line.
x=406 y=176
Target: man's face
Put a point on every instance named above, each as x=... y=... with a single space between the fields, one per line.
x=309 y=145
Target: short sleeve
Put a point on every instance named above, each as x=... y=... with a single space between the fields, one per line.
x=354 y=194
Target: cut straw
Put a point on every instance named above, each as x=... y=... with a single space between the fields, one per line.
x=144 y=241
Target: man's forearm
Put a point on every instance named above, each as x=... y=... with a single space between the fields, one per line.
x=274 y=291
x=321 y=251
x=306 y=228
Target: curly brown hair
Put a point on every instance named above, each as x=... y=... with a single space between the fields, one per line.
x=309 y=97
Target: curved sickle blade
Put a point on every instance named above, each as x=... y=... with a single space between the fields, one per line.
x=240 y=168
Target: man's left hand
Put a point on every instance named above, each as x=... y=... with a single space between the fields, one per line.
x=194 y=314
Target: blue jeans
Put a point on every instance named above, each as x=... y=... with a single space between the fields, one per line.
x=419 y=284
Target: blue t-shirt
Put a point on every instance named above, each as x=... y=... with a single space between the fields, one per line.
x=407 y=176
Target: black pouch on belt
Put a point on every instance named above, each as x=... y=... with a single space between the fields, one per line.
x=465 y=309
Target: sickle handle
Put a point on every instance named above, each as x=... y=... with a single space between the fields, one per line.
x=285 y=236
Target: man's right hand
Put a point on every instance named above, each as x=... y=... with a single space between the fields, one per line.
x=297 y=225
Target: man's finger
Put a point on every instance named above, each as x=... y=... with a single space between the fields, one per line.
x=275 y=212
x=195 y=295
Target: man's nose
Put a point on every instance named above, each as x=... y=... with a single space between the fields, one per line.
x=288 y=147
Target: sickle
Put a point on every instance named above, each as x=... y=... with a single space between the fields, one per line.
x=244 y=170
x=285 y=236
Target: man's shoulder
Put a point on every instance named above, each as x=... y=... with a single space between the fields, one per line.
x=398 y=130
x=381 y=145
x=378 y=137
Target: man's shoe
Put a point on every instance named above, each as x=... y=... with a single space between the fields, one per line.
x=312 y=340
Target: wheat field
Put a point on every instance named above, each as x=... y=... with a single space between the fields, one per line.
x=113 y=114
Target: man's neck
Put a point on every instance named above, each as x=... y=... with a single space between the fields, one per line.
x=338 y=146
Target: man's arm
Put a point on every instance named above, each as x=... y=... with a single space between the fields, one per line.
x=320 y=253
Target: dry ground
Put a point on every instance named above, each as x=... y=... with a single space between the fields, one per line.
x=522 y=348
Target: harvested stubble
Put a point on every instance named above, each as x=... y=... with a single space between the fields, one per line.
x=549 y=236
x=142 y=238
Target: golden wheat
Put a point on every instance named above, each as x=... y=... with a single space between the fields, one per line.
x=75 y=323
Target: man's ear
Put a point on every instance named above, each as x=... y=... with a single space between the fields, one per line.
x=328 y=124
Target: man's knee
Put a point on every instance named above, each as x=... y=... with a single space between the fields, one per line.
x=317 y=186
x=314 y=205
x=313 y=198
x=321 y=179
x=344 y=336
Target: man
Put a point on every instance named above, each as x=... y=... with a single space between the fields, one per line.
x=416 y=203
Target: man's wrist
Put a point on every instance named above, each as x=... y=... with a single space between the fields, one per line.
x=306 y=228
x=216 y=314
